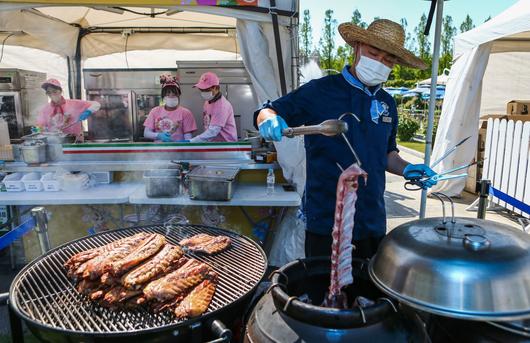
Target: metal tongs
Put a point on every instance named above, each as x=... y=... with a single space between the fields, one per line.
x=330 y=127
x=418 y=183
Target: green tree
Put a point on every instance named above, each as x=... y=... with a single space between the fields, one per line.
x=446 y=43
x=342 y=57
x=467 y=24
x=488 y=18
x=327 y=41
x=357 y=20
x=400 y=74
x=423 y=47
x=306 y=37
x=409 y=41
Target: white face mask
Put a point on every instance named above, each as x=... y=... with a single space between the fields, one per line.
x=207 y=96
x=55 y=98
x=371 y=72
x=171 y=101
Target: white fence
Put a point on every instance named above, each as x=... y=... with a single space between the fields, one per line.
x=507 y=161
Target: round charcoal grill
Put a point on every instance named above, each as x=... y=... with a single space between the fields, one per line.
x=43 y=296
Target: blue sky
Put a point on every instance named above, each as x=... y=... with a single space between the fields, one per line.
x=394 y=10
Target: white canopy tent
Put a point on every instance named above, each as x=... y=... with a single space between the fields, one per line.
x=78 y=33
x=491 y=67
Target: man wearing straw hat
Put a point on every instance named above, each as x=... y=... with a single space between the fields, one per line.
x=358 y=89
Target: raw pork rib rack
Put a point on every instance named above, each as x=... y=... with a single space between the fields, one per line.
x=341 y=248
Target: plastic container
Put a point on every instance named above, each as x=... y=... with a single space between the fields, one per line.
x=75 y=182
x=32 y=182
x=50 y=183
x=13 y=182
x=162 y=183
x=271 y=180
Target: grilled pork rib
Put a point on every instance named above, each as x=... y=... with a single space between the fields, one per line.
x=95 y=267
x=144 y=270
x=199 y=299
x=154 y=267
x=148 y=248
x=178 y=282
x=206 y=243
x=76 y=261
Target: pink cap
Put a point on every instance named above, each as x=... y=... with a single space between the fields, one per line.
x=207 y=80
x=51 y=82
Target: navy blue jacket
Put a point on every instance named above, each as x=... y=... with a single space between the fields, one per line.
x=328 y=98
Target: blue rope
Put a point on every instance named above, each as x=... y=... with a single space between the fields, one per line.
x=509 y=200
x=17 y=233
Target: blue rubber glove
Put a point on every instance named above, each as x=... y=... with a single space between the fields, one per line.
x=418 y=171
x=164 y=137
x=84 y=115
x=271 y=128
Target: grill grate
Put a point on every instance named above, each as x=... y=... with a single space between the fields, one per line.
x=43 y=294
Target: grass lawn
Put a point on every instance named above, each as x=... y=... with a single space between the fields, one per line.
x=413 y=145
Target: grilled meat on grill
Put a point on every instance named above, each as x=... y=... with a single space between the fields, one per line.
x=148 y=248
x=117 y=295
x=154 y=267
x=77 y=264
x=178 y=282
x=95 y=267
x=206 y=243
x=153 y=274
x=198 y=300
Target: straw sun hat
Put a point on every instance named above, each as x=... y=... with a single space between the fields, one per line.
x=385 y=35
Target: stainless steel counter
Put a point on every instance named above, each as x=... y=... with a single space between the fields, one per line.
x=99 y=166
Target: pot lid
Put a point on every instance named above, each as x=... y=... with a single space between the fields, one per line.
x=214 y=173
x=469 y=268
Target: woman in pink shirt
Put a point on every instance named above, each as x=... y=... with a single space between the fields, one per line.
x=60 y=112
x=218 y=114
x=170 y=122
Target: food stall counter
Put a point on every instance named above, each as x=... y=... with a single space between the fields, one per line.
x=244 y=195
x=116 y=193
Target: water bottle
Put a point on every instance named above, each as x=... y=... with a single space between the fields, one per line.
x=270 y=182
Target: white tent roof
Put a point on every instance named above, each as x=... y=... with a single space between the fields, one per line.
x=56 y=28
x=491 y=67
x=440 y=80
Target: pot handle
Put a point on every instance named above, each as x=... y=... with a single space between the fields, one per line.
x=220 y=330
x=4 y=298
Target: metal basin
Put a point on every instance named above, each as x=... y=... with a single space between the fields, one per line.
x=472 y=268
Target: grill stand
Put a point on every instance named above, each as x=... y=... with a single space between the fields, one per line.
x=41 y=227
x=14 y=322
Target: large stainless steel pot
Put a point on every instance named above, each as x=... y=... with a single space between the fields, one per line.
x=54 y=140
x=33 y=152
x=463 y=268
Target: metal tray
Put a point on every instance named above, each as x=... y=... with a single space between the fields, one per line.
x=212 y=183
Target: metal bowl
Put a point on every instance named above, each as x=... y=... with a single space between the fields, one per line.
x=469 y=268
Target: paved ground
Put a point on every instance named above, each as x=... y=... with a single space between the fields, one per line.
x=403 y=206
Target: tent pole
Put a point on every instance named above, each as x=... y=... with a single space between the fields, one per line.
x=77 y=64
x=432 y=98
x=276 y=29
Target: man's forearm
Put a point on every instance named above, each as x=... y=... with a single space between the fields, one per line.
x=265 y=114
x=395 y=164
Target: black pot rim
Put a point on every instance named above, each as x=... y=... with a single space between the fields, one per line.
x=322 y=316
